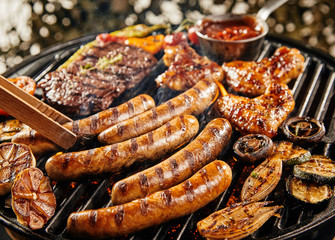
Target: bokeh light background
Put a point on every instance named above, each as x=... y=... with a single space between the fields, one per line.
x=29 y=26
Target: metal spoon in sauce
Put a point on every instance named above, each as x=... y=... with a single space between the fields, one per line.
x=237 y=36
x=268 y=8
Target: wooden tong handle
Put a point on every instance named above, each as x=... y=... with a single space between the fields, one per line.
x=36 y=114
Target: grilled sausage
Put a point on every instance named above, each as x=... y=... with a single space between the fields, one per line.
x=100 y=121
x=185 y=198
x=202 y=150
x=194 y=101
x=90 y=126
x=112 y=158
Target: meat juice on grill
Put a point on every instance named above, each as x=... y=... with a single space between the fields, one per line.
x=96 y=78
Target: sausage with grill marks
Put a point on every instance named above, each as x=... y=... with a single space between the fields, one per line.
x=100 y=121
x=194 y=101
x=90 y=126
x=180 y=200
x=112 y=158
x=202 y=150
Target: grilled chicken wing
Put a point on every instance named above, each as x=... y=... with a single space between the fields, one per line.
x=252 y=78
x=263 y=114
x=186 y=68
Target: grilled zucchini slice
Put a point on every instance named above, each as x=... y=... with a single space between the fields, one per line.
x=318 y=168
x=290 y=153
x=308 y=192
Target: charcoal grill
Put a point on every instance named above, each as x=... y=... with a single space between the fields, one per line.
x=314 y=94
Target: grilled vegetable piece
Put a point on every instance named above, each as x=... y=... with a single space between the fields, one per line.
x=318 y=168
x=139 y=30
x=152 y=44
x=304 y=131
x=253 y=147
x=33 y=200
x=13 y=159
x=262 y=180
x=237 y=221
x=9 y=128
x=290 y=153
x=309 y=192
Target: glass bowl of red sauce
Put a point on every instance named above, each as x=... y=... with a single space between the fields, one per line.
x=229 y=37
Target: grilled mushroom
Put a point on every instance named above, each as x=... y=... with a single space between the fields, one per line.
x=253 y=147
x=304 y=131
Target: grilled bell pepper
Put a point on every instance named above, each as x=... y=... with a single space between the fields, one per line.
x=152 y=44
x=136 y=31
x=139 y=30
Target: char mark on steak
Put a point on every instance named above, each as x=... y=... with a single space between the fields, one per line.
x=96 y=78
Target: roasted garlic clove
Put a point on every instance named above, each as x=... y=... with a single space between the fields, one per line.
x=13 y=159
x=33 y=200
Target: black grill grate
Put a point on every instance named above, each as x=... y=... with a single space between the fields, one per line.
x=314 y=94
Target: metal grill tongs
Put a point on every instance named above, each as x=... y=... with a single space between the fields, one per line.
x=36 y=114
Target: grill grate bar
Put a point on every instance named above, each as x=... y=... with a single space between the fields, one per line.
x=32 y=70
x=305 y=214
x=99 y=194
x=330 y=137
x=58 y=59
x=324 y=103
x=60 y=190
x=311 y=91
x=265 y=51
x=186 y=225
x=284 y=215
x=57 y=221
x=301 y=78
x=158 y=232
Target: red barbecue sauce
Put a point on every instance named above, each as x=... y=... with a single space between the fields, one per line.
x=230 y=30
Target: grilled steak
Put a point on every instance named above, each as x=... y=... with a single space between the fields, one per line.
x=93 y=81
